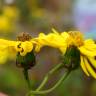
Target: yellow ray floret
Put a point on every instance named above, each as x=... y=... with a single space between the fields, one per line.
x=84 y=66
x=53 y=40
x=89 y=68
x=8 y=48
x=89 y=48
x=92 y=61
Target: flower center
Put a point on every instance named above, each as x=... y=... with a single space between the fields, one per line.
x=76 y=38
x=24 y=37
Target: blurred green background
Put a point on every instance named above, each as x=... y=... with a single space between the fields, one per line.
x=33 y=17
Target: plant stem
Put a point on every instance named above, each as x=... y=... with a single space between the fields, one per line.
x=25 y=71
x=43 y=83
x=54 y=87
x=47 y=76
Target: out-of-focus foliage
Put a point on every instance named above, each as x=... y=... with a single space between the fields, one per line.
x=8 y=17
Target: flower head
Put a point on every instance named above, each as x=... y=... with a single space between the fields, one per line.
x=87 y=50
x=8 y=47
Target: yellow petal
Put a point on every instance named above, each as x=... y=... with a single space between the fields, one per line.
x=26 y=48
x=90 y=44
x=89 y=41
x=29 y=46
x=84 y=66
x=93 y=61
x=7 y=50
x=52 y=40
x=23 y=53
x=65 y=35
x=54 y=31
x=87 y=52
x=37 y=48
x=6 y=43
x=63 y=49
x=89 y=68
x=18 y=46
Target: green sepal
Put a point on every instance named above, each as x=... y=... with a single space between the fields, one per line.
x=26 y=61
x=71 y=59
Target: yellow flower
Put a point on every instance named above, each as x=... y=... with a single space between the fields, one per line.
x=8 y=49
x=64 y=40
x=87 y=50
x=88 y=61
